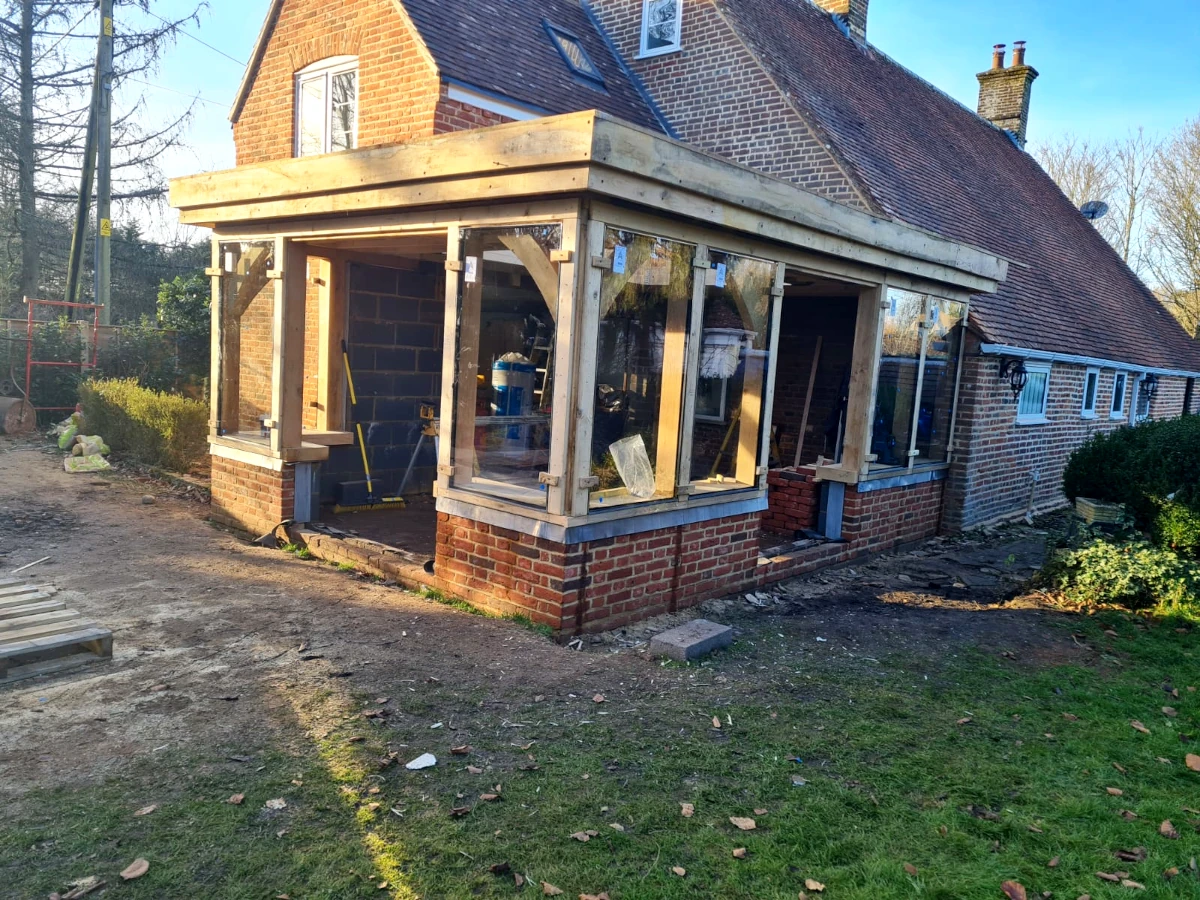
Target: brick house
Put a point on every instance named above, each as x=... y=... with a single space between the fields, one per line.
x=701 y=294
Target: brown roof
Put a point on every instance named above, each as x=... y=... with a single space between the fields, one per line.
x=502 y=46
x=926 y=160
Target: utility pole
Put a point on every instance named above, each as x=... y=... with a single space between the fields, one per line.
x=75 y=260
x=104 y=72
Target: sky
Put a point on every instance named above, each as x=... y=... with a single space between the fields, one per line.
x=1107 y=66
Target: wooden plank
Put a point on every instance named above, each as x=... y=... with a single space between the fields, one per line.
x=23 y=599
x=670 y=402
x=467 y=370
x=24 y=588
x=812 y=381
x=591 y=282
x=54 y=653
x=45 y=629
x=864 y=372
x=445 y=443
x=562 y=385
x=8 y=626
x=543 y=272
x=776 y=316
x=287 y=365
x=31 y=609
x=692 y=370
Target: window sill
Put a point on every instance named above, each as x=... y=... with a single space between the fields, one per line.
x=1032 y=420
x=662 y=51
x=1088 y=415
x=1118 y=416
x=329 y=438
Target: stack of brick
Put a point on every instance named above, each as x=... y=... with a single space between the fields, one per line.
x=794 y=498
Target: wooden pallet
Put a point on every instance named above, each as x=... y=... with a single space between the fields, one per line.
x=39 y=635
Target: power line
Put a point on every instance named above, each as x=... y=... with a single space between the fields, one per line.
x=161 y=87
x=194 y=38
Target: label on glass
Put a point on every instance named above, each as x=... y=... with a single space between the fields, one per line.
x=471 y=269
x=619 y=254
x=721 y=271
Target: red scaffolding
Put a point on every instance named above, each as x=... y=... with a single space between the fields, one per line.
x=30 y=362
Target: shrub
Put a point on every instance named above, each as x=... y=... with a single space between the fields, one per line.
x=1130 y=573
x=1154 y=469
x=146 y=426
x=144 y=353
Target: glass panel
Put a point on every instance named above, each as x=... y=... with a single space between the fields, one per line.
x=1033 y=397
x=1089 y=392
x=247 y=338
x=508 y=306
x=312 y=116
x=343 y=111
x=641 y=351
x=733 y=353
x=897 y=386
x=1118 y=400
x=942 y=353
x=662 y=23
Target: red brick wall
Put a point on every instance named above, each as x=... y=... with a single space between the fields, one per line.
x=717 y=97
x=256 y=340
x=250 y=498
x=794 y=499
x=454 y=115
x=882 y=520
x=992 y=475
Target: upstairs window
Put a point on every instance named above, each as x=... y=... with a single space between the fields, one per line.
x=327 y=106
x=573 y=54
x=661 y=26
x=1091 y=389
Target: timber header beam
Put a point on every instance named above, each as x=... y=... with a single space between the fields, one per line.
x=571 y=154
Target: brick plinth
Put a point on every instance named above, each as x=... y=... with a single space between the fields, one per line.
x=794 y=498
x=250 y=498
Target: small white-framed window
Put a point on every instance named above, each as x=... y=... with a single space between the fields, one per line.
x=1091 y=390
x=327 y=106
x=662 y=26
x=1031 y=407
x=710 y=399
x=1120 y=384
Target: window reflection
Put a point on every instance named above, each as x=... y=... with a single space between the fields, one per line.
x=247 y=337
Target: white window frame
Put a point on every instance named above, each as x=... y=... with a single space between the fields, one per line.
x=1040 y=417
x=325 y=69
x=720 y=418
x=675 y=44
x=1089 y=411
x=1116 y=412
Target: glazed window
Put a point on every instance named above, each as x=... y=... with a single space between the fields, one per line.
x=1091 y=390
x=642 y=350
x=327 y=106
x=508 y=309
x=573 y=53
x=1120 y=383
x=943 y=350
x=246 y=299
x=661 y=26
x=1031 y=407
x=734 y=353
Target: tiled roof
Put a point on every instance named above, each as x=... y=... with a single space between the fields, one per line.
x=928 y=161
x=502 y=47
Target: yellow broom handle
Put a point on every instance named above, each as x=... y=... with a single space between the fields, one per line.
x=349 y=375
x=362 y=445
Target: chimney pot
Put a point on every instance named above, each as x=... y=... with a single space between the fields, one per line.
x=1018 y=53
x=1004 y=93
x=998 y=56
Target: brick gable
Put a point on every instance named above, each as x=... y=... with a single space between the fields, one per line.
x=718 y=97
x=399 y=87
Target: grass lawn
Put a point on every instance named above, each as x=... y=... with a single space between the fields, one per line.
x=937 y=777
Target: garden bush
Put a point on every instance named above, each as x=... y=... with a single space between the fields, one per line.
x=1130 y=573
x=146 y=426
x=1154 y=469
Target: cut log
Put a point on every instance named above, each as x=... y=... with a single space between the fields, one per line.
x=16 y=416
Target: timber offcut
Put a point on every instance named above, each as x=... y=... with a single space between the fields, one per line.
x=39 y=635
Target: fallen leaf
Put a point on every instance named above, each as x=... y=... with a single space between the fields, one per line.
x=582 y=836
x=135 y=869
x=1170 y=712
x=460 y=751
x=679 y=870
x=474 y=770
x=382 y=885
x=550 y=890
x=500 y=868
x=910 y=869
x=1138 y=726
x=236 y=799
x=1116 y=792
x=716 y=722
x=617 y=826
x=1036 y=830
x=1138 y=854
x=1070 y=717
x=687 y=810
x=146 y=810
x=457 y=812
x=1128 y=883
x=1192 y=761
x=599 y=698
x=1108 y=876
x=1128 y=815
x=1170 y=873
x=743 y=823
x=1167 y=830
x=943 y=830
x=600 y=896
x=1120 y=768
x=489 y=798
x=1053 y=864
x=1014 y=890
x=519 y=879
x=760 y=812
x=373 y=789
x=964 y=721
x=813 y=885
x=277 y=803
x=739 y=853
x=1163 y=760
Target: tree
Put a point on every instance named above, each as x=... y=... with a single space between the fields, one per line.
x=1176 y=229
x=47 y=64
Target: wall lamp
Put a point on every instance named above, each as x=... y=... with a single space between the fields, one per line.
x=1014 y=371
x=1150 y=385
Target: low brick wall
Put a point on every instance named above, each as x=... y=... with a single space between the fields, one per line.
x=794 y=498
x=250 y=498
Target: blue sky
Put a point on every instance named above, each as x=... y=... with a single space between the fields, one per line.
x=1106 y=65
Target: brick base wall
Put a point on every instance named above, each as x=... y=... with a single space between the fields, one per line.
x=794 y=498
x=250 y=498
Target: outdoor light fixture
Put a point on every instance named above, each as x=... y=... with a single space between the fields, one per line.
x=1018 y=377
x=1150 y=385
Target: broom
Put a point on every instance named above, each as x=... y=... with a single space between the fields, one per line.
x=373 y=502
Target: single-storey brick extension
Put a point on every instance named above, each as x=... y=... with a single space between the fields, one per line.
x=601 y=308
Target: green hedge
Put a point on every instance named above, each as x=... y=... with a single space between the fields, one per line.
x=1154 y=469
x=146 y=426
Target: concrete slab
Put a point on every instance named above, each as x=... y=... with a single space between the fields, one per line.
x=692 y=640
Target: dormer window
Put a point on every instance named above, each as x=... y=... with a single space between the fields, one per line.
x=662 y=22
x=573 y=54
x=327 y=106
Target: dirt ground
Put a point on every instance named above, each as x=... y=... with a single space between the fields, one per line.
x=219 y=644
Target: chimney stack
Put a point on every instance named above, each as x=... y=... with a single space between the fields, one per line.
x=1004 y=92
x=852 y=12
